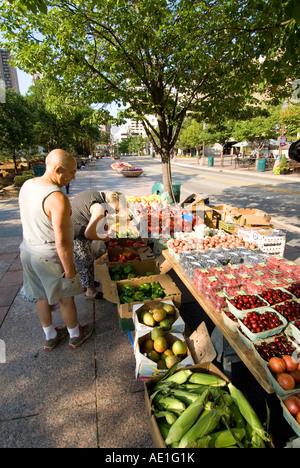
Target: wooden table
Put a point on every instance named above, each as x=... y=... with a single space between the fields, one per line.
x=245 y=354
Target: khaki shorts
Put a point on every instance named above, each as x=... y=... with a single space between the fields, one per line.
x=44 y=279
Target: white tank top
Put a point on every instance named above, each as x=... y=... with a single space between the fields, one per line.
x=38 y=233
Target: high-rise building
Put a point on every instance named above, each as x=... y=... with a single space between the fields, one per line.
x=8 y=73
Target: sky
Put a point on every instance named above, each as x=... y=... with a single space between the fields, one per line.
x=25 y=83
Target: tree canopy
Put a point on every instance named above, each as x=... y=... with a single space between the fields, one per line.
x=165 y=58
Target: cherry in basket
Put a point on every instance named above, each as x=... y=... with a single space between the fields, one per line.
x=247 y=302
x=258 y=323
x=275 y=296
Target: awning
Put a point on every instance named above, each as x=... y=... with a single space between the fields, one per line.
x=242 y=144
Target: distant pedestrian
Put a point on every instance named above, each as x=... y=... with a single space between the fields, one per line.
x=47 y=250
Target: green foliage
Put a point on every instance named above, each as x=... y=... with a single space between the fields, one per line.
x=34 y=6
x=20 y=179
x=258 y=129
x=164 y=58
x=16 y=124
x=290 y=118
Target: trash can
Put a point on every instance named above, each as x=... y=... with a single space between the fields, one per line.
x=39 y=170
x=261 y=164
x=158 y=188
x=210 y=161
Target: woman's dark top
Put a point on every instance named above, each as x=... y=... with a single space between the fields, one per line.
x=81 y=205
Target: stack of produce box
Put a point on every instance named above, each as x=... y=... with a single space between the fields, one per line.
x=133 y=277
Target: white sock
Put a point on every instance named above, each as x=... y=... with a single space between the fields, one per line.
x=50 y=332
x=74 y=332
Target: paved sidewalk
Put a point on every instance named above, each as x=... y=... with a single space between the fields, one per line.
x=87 y=398
x=231 y=167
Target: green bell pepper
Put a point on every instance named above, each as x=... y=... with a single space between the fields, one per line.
x=145 y=287
x=159 y=293
x=116 y=277
x=155 y=285
x=150 y=273
x=128 y=290
x=128 y=269
x=131 y=276
x=138 y=296
x=116 y=270
x=126 y=299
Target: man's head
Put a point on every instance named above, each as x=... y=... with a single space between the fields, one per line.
x=60 y=167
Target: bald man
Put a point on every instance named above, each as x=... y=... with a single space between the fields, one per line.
x=49 y=271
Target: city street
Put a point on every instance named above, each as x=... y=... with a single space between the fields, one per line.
x=279 y=197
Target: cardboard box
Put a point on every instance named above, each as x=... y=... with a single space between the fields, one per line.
x=241 y=217
x=147 y=369
x=228 y=227
x=200 y=349
x=122 y=242
x=111 y=291
x=265 y=239
x=102 y=271
x=144 y=253
x=254 y=217
x=157 y=438
x=140 y=329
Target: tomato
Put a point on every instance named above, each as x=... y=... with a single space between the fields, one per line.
x=277 y=365
x=286 y=381
x=291 y=365
x=293 y=404
x=296 y=375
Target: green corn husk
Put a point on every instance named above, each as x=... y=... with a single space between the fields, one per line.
x=248 y=412
x=169 y=404
x=164 y=429
x=187 y=419
x=170 y=417
x=179 y=377
x=204 y=426
x=199 y=389
x=238 y=419
x=207 y=379
x=186 y=397
x=221 y=439
x=255 y=441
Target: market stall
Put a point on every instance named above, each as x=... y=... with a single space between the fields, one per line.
x=231 y=260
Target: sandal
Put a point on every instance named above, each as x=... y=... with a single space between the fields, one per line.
x=98 y=296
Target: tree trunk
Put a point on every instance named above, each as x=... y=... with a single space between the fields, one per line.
x=167 y=173
x=15 y=161
x=222 y=156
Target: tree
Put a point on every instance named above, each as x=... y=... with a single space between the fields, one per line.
x=71 y=127
x=137 y=144
x=162 y=58
x=290 y=119
x=16 y=125
x=190 y=135
x=258 y=129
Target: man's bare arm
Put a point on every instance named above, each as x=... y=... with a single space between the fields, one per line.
x=58 y=208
